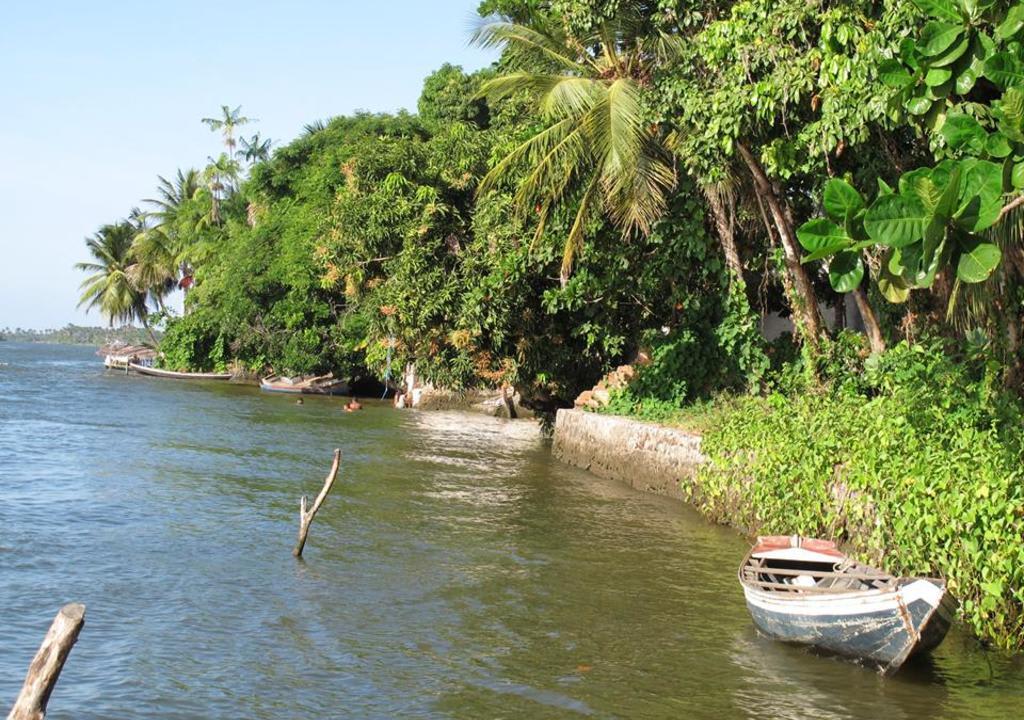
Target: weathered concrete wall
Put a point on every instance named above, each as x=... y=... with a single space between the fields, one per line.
x=648 y=457
x=487 y=402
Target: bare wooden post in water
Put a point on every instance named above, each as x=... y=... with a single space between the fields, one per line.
x=46 y=665
x=306 y=516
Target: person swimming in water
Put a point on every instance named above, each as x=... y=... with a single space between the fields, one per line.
x=353 y=405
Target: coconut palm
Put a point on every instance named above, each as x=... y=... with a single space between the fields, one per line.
x=163 y=245
x=227 y=123
x=255 y=150
x=110 y=287
x=597 y=147
x=173 y=193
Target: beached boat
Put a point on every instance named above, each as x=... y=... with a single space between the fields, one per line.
x=157 y=372
x=304 y=385
x=806 y=591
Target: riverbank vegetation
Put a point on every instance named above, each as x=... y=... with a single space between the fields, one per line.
x=644 y=175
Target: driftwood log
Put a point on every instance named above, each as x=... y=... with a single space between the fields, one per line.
x=47 y=664
x=306 y=515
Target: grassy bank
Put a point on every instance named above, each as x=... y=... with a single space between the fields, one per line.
x=914 y=462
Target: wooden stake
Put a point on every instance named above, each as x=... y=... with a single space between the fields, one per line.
x=306 y=516
x=47 y=664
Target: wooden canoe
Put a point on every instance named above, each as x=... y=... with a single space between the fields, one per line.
x=806 y=591
x=157 y=372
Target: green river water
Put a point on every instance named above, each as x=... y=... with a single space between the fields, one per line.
x=456 y=571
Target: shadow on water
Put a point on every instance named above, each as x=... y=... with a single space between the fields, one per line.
x=455 y=571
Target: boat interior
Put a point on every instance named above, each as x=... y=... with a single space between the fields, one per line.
x=803 y=570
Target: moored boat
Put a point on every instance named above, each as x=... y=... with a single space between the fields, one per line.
x=806 y=591
x=170 y=374
x=318 y=385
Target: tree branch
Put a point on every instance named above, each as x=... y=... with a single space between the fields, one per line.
x=306 y=516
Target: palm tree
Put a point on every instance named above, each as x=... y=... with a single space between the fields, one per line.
x=172 y=194
x=255 y=149
x=220 y=177
x=167 y=241
x=310 y=129
x=110 y=287
x=597 y=147
x=227 y=123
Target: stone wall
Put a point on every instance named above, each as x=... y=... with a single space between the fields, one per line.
x=648 y=457
x=488 y=402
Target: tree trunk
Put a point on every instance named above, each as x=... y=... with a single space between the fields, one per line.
x=806 y=309
x=725 y=226
x=871 y=326
x=840 y=313
x=152 y=335
x=45 y=668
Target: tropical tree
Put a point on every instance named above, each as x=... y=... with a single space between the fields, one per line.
x=227 y=123
x=596 y=147
x=221 y=177
x=162 y=247
x=255 y=149
x=110 y=287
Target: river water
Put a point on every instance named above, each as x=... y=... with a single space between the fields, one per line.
x=456 y=571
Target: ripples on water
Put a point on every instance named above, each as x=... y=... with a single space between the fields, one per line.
x=455 y=572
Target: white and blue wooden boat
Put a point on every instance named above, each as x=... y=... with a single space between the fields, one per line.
x=806 y=591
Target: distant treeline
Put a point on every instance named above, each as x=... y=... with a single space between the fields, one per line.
x=78 y=335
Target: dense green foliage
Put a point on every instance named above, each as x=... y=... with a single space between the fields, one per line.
x=915 y=462
x=964 y=77
x=653 y=175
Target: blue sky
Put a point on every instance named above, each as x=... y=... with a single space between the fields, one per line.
x=97 y=99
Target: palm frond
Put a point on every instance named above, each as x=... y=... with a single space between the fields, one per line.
x=521 y=43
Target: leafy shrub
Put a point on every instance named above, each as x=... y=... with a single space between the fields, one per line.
x=921 y=471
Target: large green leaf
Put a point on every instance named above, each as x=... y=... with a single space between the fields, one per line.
x=910 y=182
x=962 y=132
x=977 y=261
x=1005 y=70
x=896 y=220
x=841 y=199
x=892 y=73
x=936 y=76
x=981 y=188
x=918 y=105
x=1017 y=176
x=893 y=287
x=946 y=206
x=965 y=80
x=1012 y=24
x=846 y=271
x=997 y=145
x=937 y=37
x=822 y=237
x=951 y=55
x=940 y=9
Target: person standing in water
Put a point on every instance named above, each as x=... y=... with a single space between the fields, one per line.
x=353 y=405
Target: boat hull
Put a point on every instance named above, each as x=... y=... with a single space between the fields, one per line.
x=339 y=389
x=171 y=375
x=881 y=627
